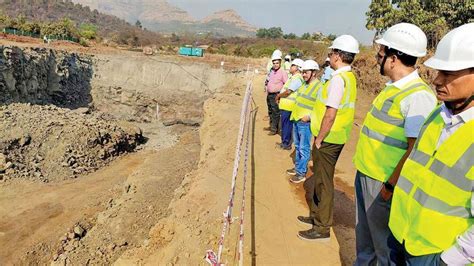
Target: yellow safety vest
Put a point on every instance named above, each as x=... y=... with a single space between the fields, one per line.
x=305 y=99
x=287 y=66
x=342 y=126
x=431 y=204
x=382 y=141
x=288 y=103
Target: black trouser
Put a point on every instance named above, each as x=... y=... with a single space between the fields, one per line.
x=273 y=111
x=320 y=187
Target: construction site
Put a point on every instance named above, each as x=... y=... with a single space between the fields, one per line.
x=133 y=147
x=119 y=157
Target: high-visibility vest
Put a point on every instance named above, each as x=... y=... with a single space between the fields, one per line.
x=382 y=141
x=305 y=99
x=431 y=203
x=342 y=126
x=287 y=66
x=288 y=103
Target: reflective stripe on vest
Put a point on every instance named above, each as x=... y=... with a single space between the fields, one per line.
x=341 y=128
x=431 y=204
x=383 y=132
x=305 y=99
x=288 y=103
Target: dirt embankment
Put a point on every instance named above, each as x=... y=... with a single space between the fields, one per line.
x=138 y=88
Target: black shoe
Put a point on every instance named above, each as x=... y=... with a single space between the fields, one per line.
x=283 y=147
x=291 y=171
x=272 y=133
x=313 y=235
x=305 y=220
x=297 y=178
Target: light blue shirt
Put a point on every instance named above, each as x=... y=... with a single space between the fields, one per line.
x=295 y=85
x=327 y=74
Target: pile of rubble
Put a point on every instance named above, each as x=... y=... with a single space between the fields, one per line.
x=49 y=143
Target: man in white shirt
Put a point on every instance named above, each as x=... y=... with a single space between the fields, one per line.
x=387 y=136
x=332 y=118
x=432 y=215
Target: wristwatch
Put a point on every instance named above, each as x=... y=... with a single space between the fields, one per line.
x=388 y=186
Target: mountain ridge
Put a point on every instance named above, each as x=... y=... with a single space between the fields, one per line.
x=159 y=15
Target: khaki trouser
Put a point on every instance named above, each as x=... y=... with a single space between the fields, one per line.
x=320 y=187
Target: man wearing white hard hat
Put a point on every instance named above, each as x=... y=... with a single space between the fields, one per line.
x=331 y=123
x=277 y=77
x=387 y=136
x=276 y=53
x=286 y=102
x=300 y=116
x=432 y=215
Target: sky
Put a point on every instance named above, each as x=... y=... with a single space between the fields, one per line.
x=297 y=16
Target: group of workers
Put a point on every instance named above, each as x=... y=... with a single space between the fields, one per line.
x=414 y=184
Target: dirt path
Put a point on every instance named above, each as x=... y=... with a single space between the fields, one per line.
x=278 y=202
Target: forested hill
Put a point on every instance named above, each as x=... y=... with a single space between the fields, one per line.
x=51 y=10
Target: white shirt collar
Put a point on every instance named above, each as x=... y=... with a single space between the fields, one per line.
x=403 y=81
x=448 y=118
x=342 y=69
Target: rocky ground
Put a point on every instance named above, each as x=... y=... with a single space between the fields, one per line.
x=48 y=143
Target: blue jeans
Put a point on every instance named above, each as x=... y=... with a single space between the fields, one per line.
x=302 y=139
x=286 y=128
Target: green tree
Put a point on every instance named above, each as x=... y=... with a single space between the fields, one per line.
x=331 y=37
x=290 y=36
x=272 y=33
x=380 y=16
x=138 y=24
x=435 y=18
x=306 y=36
x=262 y=33
x=275 y=33
x=88 y=31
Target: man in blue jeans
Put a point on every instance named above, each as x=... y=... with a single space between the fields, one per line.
x=286 y=102
x=300 y=116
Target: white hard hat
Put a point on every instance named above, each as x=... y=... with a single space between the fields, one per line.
x=346 y=43
x=298 y=62
x=276 y=57
x=310 y=65
x=405 y=37
x=327 y=59
x=455 y=51
x=288 y=56
x=277 y=53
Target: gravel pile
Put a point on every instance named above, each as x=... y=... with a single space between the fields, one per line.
x=49 y=143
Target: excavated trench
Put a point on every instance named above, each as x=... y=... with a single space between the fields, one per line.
x=92 y=148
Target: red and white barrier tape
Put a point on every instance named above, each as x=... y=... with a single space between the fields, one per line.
x=242 y=212
x=211 y=257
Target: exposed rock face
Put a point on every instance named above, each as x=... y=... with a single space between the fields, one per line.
x=43 y=76
x=231 y=17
